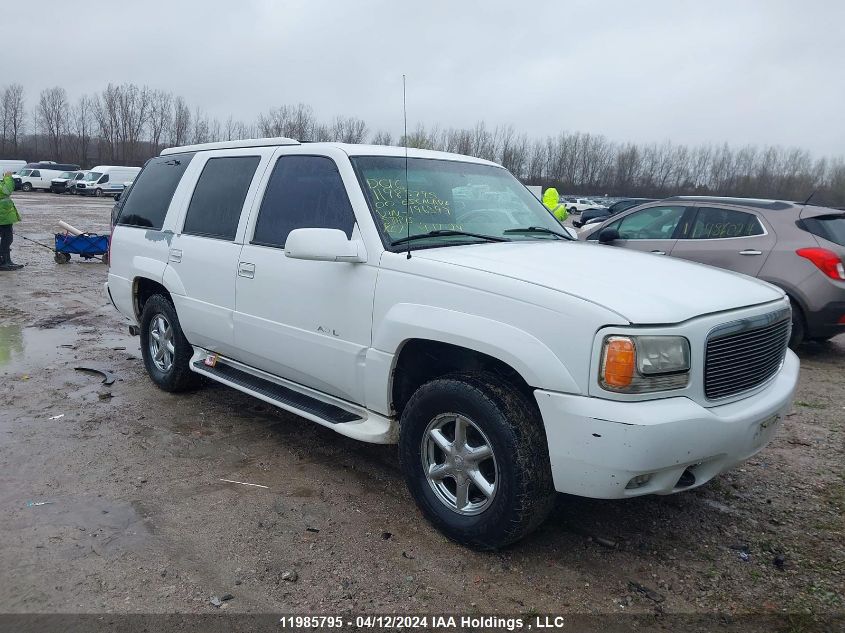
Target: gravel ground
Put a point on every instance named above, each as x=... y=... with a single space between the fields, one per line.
x=135 y=517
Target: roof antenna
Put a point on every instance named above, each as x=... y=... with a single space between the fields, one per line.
x=807 y=201
x=407 y=192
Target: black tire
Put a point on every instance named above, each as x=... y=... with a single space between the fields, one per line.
x=62 y=258
x=98 y=192
x=799 y=327
x=178 y=377
x=511 y=424
x=26 y=187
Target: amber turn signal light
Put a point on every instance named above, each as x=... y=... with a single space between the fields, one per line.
x=619 y=362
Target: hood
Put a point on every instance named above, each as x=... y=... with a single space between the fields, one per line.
x=641 y=287
x=551 y=198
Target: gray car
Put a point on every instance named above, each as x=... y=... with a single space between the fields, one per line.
x=798 y=247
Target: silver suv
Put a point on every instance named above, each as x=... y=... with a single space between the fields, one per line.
x=798 y=247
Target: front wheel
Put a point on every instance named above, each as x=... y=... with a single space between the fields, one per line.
x=26 y=187
x=166 y=351
x=475 y=458
x=98 y=193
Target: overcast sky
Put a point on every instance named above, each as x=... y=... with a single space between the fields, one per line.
x=756 y=71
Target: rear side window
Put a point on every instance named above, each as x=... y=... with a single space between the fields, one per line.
x=219 y=196
x=303 y=192
x=828 y=227
x=153 y=190
x=712 y=223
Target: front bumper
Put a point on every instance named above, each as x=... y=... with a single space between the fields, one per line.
x=598 y=446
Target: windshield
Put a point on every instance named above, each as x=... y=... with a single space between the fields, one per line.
x=24 y=172
x=450 y=196
x=66 y=174
x=92 y=175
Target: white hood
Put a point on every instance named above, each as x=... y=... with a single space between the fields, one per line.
x=642 y=287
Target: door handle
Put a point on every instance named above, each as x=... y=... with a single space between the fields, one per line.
x=750 y=251
x=175 y=255
x=659 y=252
x=245 y=269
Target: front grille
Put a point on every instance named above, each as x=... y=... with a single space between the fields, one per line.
x=744 y=354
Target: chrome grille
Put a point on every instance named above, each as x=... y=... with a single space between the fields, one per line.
x=744 y=354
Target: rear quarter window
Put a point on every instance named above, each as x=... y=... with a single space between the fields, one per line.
x=150 y=196
x=828 y=227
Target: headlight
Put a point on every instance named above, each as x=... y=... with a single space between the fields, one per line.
x=641 y=364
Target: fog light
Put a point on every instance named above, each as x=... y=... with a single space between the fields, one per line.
x=638 y=482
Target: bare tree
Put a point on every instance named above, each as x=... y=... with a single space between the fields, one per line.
x=161 y=115
x=82 y=118
x=14 y=115
x=180 y=127
x=53 y=110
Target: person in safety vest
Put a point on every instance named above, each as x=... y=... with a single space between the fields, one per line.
x=8 y=216
x=552 y=201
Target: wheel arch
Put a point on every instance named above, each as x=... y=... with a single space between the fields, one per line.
x=142 y=289
x=443 y=339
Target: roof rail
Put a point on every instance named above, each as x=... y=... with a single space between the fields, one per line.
x=249 y=142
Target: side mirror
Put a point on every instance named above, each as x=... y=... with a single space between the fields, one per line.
x=608 y=235
x=324 y=245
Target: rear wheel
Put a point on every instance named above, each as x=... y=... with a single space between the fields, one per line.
x=475 y=458
x=166 y=351
x=62 y=258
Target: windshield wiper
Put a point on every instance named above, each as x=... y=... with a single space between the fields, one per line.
x=539 y=229
x=446 y=232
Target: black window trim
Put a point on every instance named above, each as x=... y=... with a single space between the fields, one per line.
x=271 y=168
x=210 y=236
x=698 y=208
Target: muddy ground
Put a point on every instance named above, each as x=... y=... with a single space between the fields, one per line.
x=135 y=517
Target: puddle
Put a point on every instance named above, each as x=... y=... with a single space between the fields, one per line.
x=26 y=348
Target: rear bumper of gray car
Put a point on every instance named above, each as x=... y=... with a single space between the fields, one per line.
x=827 y=322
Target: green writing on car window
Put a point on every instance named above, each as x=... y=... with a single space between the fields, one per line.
x=427 y=210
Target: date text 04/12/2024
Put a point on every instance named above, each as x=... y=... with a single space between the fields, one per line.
x=424 y=621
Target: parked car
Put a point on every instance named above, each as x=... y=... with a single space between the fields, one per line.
x=577 y=205
x=66 y=181
x=105 y=180
x=600 y=214
x=125 y=189
x=40 y=175
x=296 y=273
x=799 y=248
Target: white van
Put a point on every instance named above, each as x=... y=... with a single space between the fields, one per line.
x=40 y=175
x=11 y=165
x=106 y=180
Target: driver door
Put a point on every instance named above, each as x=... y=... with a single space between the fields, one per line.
x=653 y=229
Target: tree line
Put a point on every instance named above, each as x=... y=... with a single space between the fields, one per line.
x=126 y=124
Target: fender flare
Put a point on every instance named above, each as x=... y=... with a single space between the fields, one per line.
x=526 y=354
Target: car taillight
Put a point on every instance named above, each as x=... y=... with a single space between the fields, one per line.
x=826 y=261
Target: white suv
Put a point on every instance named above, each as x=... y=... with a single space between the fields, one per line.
x=435 y=315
